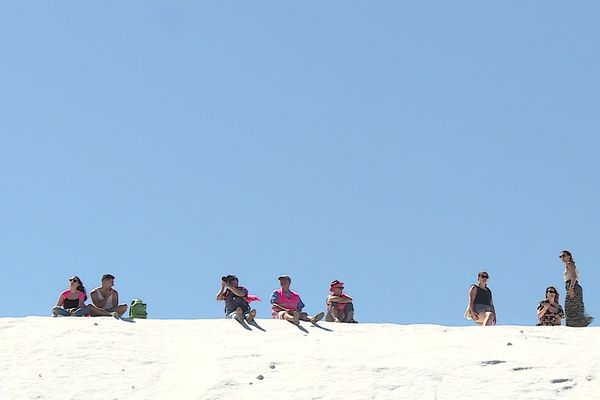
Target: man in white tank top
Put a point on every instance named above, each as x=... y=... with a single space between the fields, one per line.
x=106 y=297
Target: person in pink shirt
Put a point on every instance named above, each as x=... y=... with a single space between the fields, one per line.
x=339 y=305
x=71 y=302
x=287 y=304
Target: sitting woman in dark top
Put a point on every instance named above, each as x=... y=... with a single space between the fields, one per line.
x=71 y=302
x=550 y=313
x=481 y=306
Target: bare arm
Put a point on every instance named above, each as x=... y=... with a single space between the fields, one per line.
x=472 y=294
x=221 y=294
x=573 y=275
x=543 y=310
x=60 y=301
x=115 y=298
x=340 y=300
x=282 y=308
x=236 y=291
x=96 y=300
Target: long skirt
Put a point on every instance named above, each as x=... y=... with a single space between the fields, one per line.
x=574 y=308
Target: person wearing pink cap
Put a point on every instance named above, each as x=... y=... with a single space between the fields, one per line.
x=339 y=305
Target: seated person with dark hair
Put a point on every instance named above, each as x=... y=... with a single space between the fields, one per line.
x=106 y=298
x=236 y=299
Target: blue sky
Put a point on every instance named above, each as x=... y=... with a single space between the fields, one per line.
x=399 y=147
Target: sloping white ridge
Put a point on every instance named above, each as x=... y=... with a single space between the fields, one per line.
x=105 y=359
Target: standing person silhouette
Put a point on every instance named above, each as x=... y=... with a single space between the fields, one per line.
x=574 y=307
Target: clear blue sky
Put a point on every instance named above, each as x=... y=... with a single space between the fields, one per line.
x=399 y=147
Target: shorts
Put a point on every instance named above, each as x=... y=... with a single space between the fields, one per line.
x=481 y=308
x=232 y=314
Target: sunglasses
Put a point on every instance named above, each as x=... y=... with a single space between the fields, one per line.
x=484 y=276
x=73 y=280
x=551 y=291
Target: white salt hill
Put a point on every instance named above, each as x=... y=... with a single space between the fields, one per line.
x=105 y=359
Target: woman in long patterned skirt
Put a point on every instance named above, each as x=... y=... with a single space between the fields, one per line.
x=574 y=308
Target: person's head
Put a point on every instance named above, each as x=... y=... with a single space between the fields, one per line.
x=231 y=280
x=566 y=256
x=285 y=281
x=108 y=280
x=482 y=277
x=552 y=294
x=336 y=287
x=75 y=283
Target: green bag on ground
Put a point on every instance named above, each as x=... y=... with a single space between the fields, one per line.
x=138 y=309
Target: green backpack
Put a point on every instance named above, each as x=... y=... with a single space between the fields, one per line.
x=138 y=309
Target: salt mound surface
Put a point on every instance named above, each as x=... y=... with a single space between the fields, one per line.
x=105 y=359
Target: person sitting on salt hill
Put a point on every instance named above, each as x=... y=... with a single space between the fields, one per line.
x=287 y=304
x=481 y=305
x=339 y=305
x=107 y=298
x=236 y=299
x=550 y=313
x=71 y=302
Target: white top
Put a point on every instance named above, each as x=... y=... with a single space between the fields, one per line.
x=568 y=276
x=108 y=305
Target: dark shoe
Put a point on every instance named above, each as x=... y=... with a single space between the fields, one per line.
x=317 y=318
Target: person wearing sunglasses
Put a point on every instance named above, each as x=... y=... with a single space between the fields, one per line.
x=574 y=307
x=481 y=306
x=71 y=302
x=550 y=313
x=339 y=305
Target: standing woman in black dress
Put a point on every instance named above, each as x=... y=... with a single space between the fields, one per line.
x=574 y=308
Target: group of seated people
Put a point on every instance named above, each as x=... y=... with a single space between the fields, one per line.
x=286 y=303
x=105 y=300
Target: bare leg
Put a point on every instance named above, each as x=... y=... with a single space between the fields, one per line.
x=304 y=316
x=488 y=320
x=294 y=317
x=97 y=311
x=480 y=318
x=290 y=316
x=250 y=316
x=120 y=309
